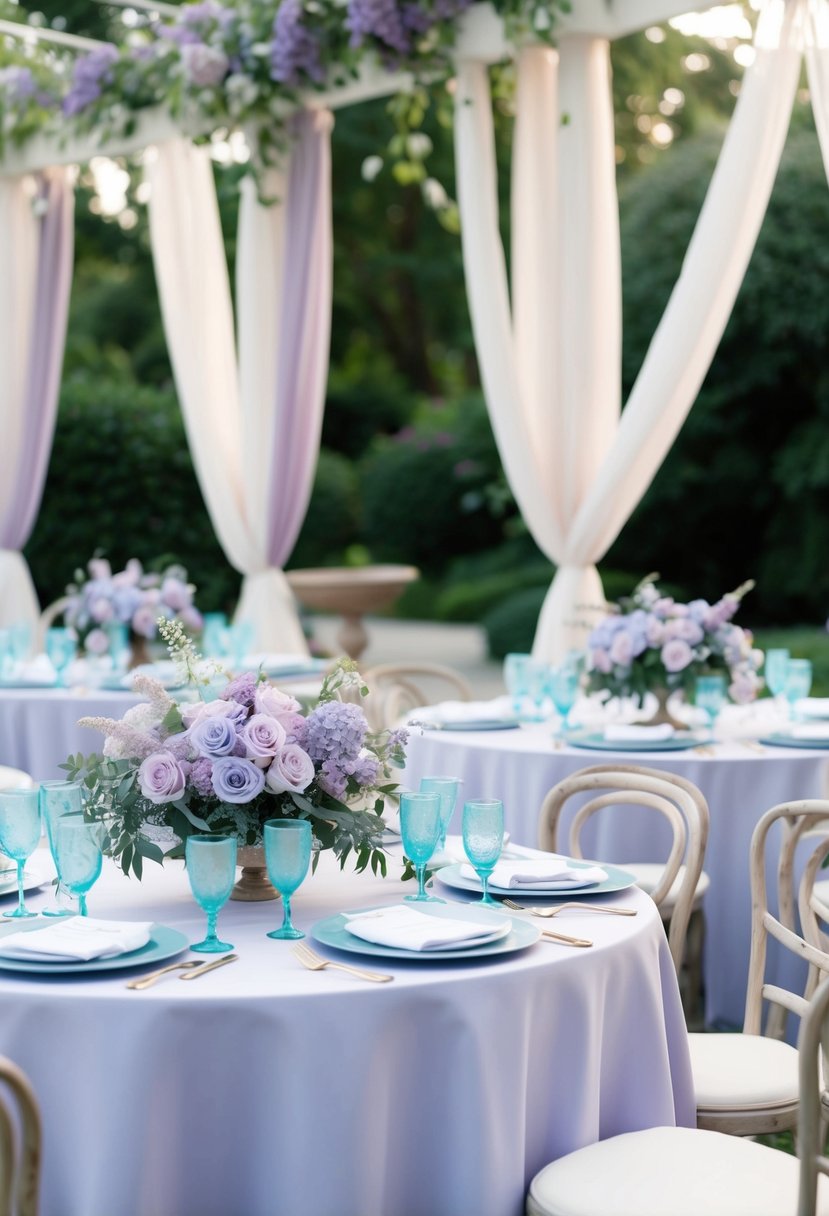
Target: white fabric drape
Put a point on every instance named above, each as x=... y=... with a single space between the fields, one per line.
x=237 y=415
x=550 y=364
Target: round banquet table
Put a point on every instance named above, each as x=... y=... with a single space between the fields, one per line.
x=39 y=726
x=264 y=1089
x=740 y=780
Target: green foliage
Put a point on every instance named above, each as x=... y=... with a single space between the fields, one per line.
x=331 y=522
x=510 y=626
x=121 y=481
x=744 y=492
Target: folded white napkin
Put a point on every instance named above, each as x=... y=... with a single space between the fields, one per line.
x=407 y=929
x=812 y=707
x=498 y=710
x=810 y=730
x=628 y=732
x=77 y=938
x=551 y=873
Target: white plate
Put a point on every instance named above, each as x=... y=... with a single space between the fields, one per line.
x=8 y=881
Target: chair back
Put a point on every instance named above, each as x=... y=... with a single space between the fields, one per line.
x=396 y=688
x=813 y=1051
x=48 y=617
x=674 y=797
x=20 y=1143
x=798 y=821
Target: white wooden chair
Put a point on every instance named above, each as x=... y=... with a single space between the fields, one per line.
x=396 y=688
x=673 y=884
x=20 y=1143
x=746 y=1084
x=680 y=1171
x=48 y=617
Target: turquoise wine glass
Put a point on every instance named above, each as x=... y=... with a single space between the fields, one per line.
x=211 y=869
x=775 y=664
x=118 y=635
x=447 y=788
x=19 y=835
x=61 y=647
x=709 y=696
x=58 y=798
x=78 y=855
x=517 y=679
x=420 y=831
x=798 y=682
x=564 y=691
x=287 y=856
x=483 y=839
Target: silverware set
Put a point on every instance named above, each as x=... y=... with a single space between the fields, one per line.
x=315 y=962
x=191 y=969
x=565 y=939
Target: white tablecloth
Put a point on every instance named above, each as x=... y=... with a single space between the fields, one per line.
x=264 y=1089
x=739 y=781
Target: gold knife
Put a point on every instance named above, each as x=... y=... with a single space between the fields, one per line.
x=205 y=967
x=546 y=934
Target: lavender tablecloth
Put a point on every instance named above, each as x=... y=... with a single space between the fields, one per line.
x=264 y=1089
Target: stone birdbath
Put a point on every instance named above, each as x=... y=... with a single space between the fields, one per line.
x=351 y=591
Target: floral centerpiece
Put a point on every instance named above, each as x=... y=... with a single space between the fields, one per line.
x=651 y=643
x=132 y=597
x=229 y=764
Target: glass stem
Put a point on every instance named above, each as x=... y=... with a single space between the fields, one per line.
x=21 y=903
x=212 y=917
x=286 y=906
x=421 y=880
x=82 y=903
x=484 y=877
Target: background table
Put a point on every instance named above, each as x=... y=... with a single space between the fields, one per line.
x=39 y=726
x=739 y=782
x=265 y=1089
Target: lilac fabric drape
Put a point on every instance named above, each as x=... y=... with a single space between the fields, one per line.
x=36 y=282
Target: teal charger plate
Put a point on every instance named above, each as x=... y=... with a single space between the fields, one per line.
x=332 y=932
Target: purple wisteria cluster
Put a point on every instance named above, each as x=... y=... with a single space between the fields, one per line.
x=90 y=74
x=396 y=27
x=653 y=642
x=131 y=597
x=232 y=763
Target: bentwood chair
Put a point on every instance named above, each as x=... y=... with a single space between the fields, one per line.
x=746 y=1084
x=681 y=1171
x=396 y=688
x=20 y=1143
x=673 y=885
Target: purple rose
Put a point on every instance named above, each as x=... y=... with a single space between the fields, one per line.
x=236 y=779
x=143 y=621
x=214 y=736
x=96 y=642
x=676 y=655
x=161 y=778
x=600 y=661
x=263 y=737
x=621 y=649
x=100 y=610
x=191 y=714
x=292 y=770
x=175 y=594
x=277 y=704
x=688 y=630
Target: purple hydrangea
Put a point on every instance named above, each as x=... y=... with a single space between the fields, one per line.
x=201 y=773
x=90 y=72
x=336 y=731
x=242 y=689
x=295 y=49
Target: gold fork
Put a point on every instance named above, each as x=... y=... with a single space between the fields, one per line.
x=315 y=962
x=508 y=903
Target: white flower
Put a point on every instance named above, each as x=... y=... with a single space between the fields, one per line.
x=371 y=167
x=434 y=194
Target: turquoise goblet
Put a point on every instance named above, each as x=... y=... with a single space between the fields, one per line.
x=776 y=662
x=483 y=839
x=287 y=856
x=517 y=679
x=564 y=690
x=798 y=682
x=419 y=831
x=58 y=798
x=78 y=855
x=211 y=869
x=61 y=647
x=19 y=835
x=447 y=788
x=709 y=696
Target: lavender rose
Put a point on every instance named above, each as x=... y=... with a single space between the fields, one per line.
x=676 y=655
x=292 y=770
x=214 y=736
x=270 y=700
x=191 y=714
x=263 y=737
x=161 y=778
x=236 y=779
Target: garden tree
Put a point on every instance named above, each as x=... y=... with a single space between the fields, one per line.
x=744 y=492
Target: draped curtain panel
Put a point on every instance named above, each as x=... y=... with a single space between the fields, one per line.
x=37 y=223
x=550 y=354
x=253 y=422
